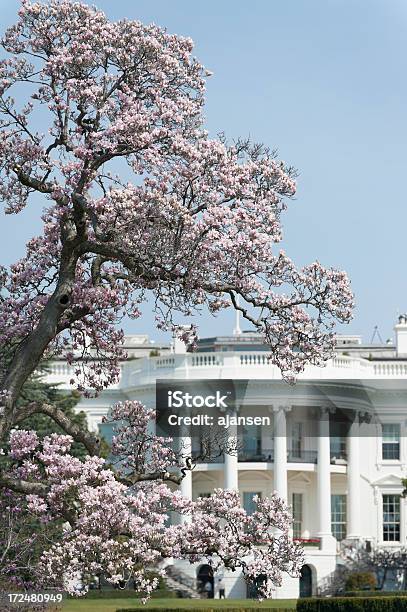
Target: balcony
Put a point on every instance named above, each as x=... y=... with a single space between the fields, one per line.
x=200 y=457
x=339 y=457
x=245 y=364
x=267 y=455
x=302 y=456
x=311 y=456
x=248 y=455
x=309 y=542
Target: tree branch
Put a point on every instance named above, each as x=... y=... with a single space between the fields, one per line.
x=32 y=182
x=90 y=442
x=164 y=476
x=23 y=486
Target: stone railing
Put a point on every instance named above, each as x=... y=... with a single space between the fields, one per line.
x=267 y=455
x=309 y=542
x=256 y=455
x=235 y=363
x=165 y=362
x=254 y=359
x=390 y=368
x=205 y=360
x=302 y=456
x=236 y=359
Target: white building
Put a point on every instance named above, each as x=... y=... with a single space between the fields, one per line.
x=335 y=448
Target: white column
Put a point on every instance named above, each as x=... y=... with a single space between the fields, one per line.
x=280 y=452
x=185 y=446
x=353 y=475
x=231 y=466
x=324 y=482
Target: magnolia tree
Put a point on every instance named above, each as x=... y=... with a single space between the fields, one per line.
x=106 y=128
x=379 y=562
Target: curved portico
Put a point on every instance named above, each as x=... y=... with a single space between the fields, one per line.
x=313 y=430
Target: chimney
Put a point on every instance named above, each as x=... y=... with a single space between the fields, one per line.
x=401 y=336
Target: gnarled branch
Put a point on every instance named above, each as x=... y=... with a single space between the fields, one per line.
x=23 y=486
x=90 y=442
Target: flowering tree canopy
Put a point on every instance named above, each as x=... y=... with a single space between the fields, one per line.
x=140 y=204
x=120 y=536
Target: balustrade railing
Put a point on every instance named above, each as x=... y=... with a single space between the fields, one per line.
x=200 y=457
x=390 y=369
x=267 y=455
x=339 y=457
x=204 y=360
x=245 y=359
x=302 y=456
x=256 y=455
x=254 y=359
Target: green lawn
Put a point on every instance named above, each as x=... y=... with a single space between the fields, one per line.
x=111 y=605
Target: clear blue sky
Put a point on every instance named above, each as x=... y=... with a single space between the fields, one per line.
x=325 y=82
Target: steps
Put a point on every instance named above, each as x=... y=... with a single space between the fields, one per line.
x=179 y=581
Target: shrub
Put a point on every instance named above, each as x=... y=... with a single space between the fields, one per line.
x=232 y=609
x=353 y=604
x=360 y=581
x=374 y=594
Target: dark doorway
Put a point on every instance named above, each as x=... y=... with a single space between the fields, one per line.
x=204 y=580
x=306 y=581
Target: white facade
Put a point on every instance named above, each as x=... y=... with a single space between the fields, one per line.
x=344 y=485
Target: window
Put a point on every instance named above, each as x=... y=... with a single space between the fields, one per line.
x=251 y=439
x=338 y=516
x=338 y=447
x=204 y=495
x=248 y=503
x=297 y=514
x=391 y=518
x=391 y=441
x=296 y=439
